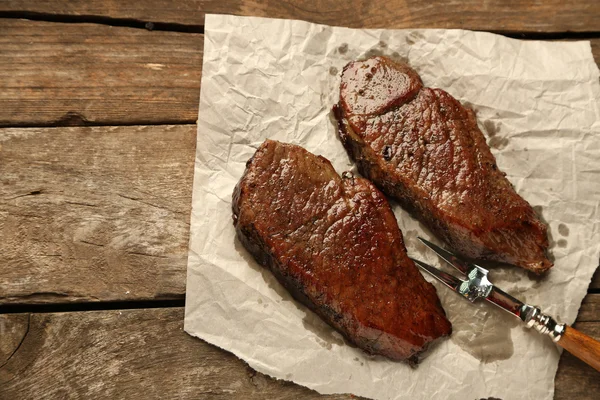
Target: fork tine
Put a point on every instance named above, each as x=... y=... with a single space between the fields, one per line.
x=449 y=280
x=447 y=256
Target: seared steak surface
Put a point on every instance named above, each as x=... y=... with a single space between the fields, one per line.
x=422 y=147
x=334 y=243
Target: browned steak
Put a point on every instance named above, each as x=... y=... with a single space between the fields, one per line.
x=334 y=243
x=422 y=147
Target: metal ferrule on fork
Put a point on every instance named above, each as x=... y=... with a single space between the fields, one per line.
x=534 y=318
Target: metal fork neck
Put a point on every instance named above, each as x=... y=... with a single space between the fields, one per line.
x=477 y=284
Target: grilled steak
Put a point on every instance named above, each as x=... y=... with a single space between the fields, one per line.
x=334 y=243
x=422 y=147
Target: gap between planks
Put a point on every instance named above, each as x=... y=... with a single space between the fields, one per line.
x=99 y=75
x=552 y=17
x=101 y=20
x=89 y=306
x=199 y=28
x=588 y=312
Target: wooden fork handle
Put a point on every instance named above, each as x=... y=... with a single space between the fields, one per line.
x=581 y=346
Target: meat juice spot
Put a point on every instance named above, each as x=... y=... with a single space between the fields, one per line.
x=563 y=230
x=383 y=52
x=536 y=279
x=539 y=212
x=510 y=274
x=498 y=143
x=520 y=292
x=333 y=71
x=326 y=335
x=562 y=243
x=358 y=361
x=372 y=53
x=397 y=57
x=485 y=334
x=490 y=128
x=343 y=49
x=413 y=37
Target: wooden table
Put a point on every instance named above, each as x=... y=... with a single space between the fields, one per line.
x=98 y=101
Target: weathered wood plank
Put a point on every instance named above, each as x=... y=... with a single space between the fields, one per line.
x=13 y=329
x=73 y=74
x=590 y=308
x=595 y=283
x=128 y=353
x=596 y=50
x=97 y=213
x=513 y=15
x=56 y=73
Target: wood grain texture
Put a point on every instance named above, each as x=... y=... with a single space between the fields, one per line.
x=73 y=74
x=78 y=74
x=596 y=50
x=13 y=329
x=129 y=354
x=511 y=15
x=595 y=282
x=590 y=308
x=146 y=354
x=94 y=214
x=100 y=214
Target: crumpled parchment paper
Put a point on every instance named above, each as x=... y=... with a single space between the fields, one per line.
x=537 y=104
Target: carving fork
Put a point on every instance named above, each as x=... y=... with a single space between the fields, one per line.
x=476 y=285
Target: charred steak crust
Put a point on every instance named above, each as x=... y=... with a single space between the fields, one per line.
x=334 y=243
x=422 y=147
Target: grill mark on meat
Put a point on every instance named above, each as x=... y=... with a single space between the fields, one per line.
x=343 y=256
x=436 y=163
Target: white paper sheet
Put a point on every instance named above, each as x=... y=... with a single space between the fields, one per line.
x=536 y=101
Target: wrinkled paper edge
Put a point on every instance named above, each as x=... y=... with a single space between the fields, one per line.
x=266 y=369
